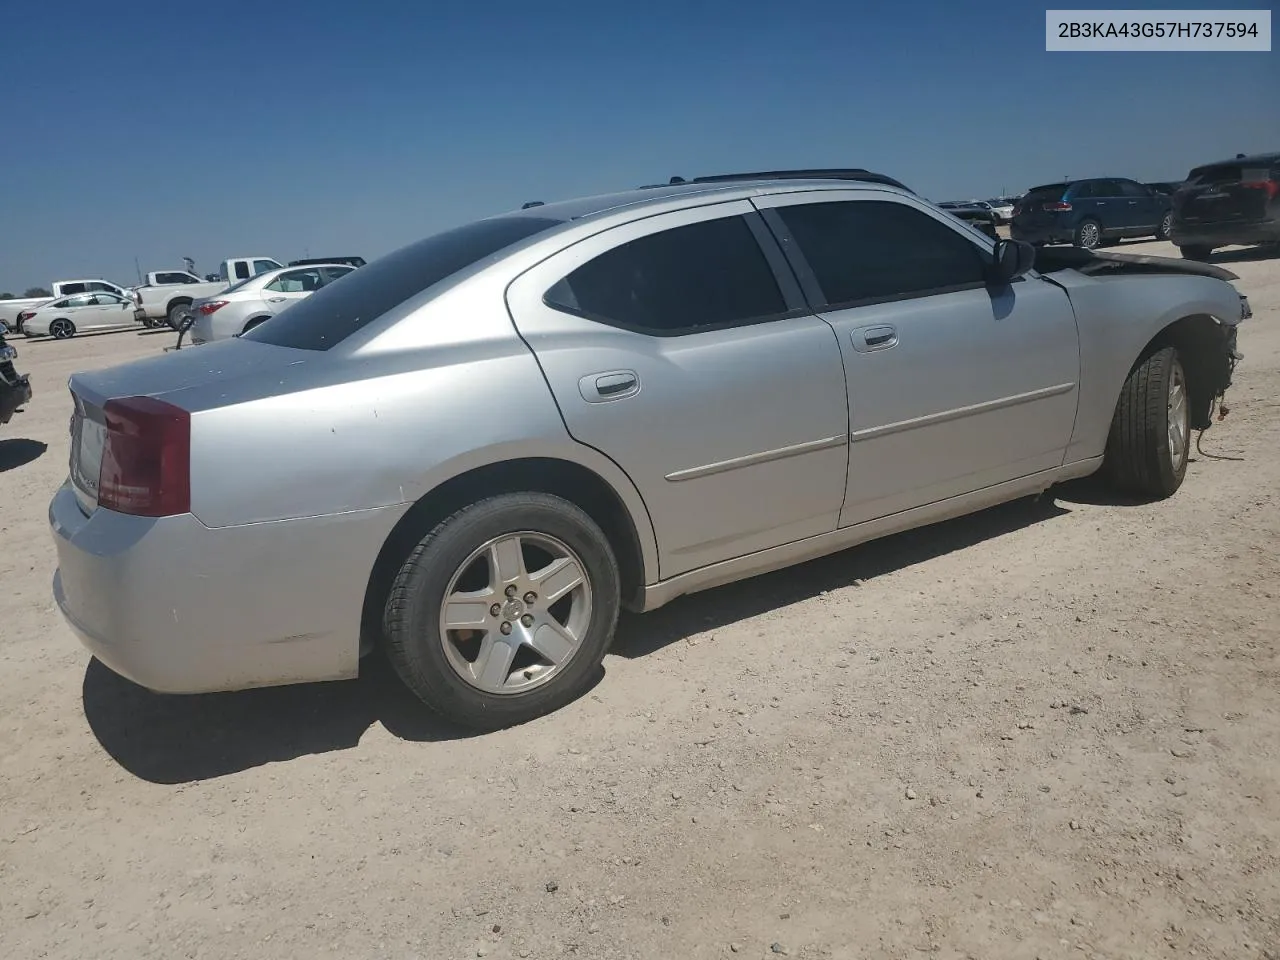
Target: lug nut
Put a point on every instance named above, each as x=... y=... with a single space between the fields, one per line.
x=495 y=610
x=527 y=620
x=506 y=627
x=511 y=590
x=530 y=597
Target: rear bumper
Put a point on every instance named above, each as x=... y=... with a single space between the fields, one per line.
x=12 y=396
x=1225 y=234
x=1041 y=232
x=179 y=607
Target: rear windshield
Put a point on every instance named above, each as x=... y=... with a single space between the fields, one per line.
x=1230 y=173
x=1053 y=191
x=336 y=311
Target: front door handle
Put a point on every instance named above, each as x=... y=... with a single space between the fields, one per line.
x=277 y=300
x=613 y=385
x=871 y=339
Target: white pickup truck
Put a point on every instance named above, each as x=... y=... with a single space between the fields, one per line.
x=9 y=309
x=168 y=294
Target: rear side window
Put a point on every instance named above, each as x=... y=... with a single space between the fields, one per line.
x=328 y=317
x=701 y=276
x=873 y=250
x=69 y=288
x=242 y=270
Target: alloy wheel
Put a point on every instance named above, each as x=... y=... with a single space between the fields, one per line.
x=515 y=613
x=1179 y=426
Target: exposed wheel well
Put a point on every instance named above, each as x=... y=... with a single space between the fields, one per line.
x=177 y=302
x=560 y=478
x=253 y=322
x=1204 y=357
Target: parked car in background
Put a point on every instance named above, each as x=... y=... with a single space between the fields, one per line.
x=475 y=450
x=318 y=261
x=169 y=302
x=10 y=310
x=978 y=215
x=1003 y=209
x=1088 y=213
x=68 y=316
x=256 y=300
x=1226 y=203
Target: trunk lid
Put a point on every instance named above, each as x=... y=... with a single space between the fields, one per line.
x=198 y=379
x=1225 y=193
x=1030 y=209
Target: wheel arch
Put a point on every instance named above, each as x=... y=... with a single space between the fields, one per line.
x=254 y=321
x=1198 y=340
x=184 y=301
x=631 y=536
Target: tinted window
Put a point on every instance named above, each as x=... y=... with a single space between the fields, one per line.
x=68 y=288
x=687 y=278
x=296 y=281
x=174 y=278
x=877 y=250
x=242 y=270
x=339 y=310
x=1134 y=190
x=1050 y=192
x=330 y=274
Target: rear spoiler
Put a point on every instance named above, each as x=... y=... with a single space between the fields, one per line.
x=1049 y=259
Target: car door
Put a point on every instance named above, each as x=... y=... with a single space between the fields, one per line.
x=1145 y=208
x=291 y=286
x=680 y=346
x=953 y=385
x=108 y=310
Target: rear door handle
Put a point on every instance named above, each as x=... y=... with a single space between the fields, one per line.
x=613 y=385
x=871 y=339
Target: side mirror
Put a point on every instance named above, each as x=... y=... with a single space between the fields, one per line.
x=1013 y=258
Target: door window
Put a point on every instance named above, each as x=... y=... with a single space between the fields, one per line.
x=70 y=288
x=296 y=281
x=330 y=274
x=862 y=251
x=174 y=278
x=701 y=276
x=242 y=270
x=83 y=300
x=1134 y=191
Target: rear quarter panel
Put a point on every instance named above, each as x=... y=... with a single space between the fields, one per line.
x=319 y=434
x=1117 y=317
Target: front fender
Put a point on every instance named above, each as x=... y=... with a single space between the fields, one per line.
x=1118 y=316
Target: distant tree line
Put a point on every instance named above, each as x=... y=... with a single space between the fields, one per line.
x=31 y=292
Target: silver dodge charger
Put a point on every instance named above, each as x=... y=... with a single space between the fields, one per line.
x=474 y=451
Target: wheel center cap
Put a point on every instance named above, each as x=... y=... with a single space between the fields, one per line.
x=513 y=609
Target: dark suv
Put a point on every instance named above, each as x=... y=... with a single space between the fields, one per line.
x=1089 y=212
x=1234 y=201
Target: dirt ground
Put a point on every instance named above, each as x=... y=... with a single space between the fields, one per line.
x=1050 y=730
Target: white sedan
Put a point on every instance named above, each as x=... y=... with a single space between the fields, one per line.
x=65 y=318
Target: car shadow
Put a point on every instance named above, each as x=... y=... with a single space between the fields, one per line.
x=19 y=452
x=640 y=635
x=172 y=739
x=1246 y=254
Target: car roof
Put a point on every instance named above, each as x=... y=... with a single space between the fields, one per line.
x=1254 y=158
x=669 y=195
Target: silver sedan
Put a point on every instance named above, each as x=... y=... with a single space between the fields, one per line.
x=476 y=450
x=250 y=302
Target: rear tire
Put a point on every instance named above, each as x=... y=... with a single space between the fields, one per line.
x=454 y=670
x=1196 y=253
x=1166 y=224
x=176 y=312
x=1149 y=442
x=62 y=329
x=1088 y=235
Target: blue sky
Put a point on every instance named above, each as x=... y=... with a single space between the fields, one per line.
x=318 y=128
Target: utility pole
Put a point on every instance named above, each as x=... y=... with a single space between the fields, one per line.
x=137 y=269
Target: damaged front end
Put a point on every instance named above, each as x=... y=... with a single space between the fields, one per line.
x=1207 y=343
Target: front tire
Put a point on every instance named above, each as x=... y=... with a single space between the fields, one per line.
x=1088 y=235
x=504 y=611
x=1149 y=442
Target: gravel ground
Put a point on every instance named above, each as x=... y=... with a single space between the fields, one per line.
x=1049 y=730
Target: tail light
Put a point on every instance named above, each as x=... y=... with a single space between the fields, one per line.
x=1271 y=186
x=1058 y=206
x=146 y=458
x=213 y=306
x=26 y=315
